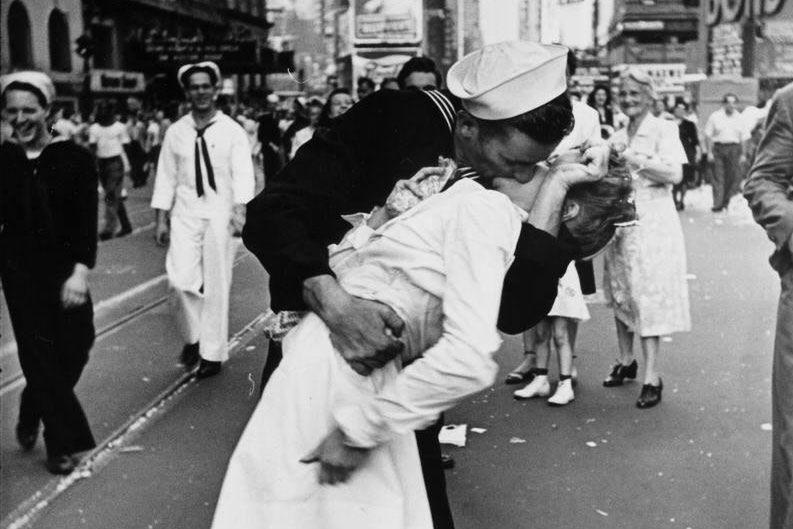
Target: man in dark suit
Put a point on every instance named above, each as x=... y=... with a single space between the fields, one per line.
x=769 y=191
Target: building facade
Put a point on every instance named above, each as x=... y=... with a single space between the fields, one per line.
x=39 y=35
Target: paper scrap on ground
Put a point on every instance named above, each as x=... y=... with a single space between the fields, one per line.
x=479 y=430
x=453 y=434
x=517 y=440
x=128 y=449
x=602 y=513
x=766 y=427
x=591 y=444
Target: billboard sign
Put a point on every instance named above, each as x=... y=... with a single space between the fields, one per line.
x=388 y=22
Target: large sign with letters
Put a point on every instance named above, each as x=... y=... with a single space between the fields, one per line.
x=735 y=10
x=117 y=81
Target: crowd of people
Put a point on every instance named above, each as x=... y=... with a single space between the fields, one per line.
x=401 y=232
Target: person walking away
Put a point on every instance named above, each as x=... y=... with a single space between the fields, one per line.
x=270 y=139
x=107 y=138
x=136 y=130
x=768 y=192
x=204 y=179
x=689 y=138
x=303 y=135
x=726 y=138
x=47 y=246
x=153 y=140
x=644 y=275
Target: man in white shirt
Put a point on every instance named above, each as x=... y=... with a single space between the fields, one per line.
x=204 y=179
x=725 y=137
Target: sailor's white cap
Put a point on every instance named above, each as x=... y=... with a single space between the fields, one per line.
x=38 y=80
x=507 y=79
x=207 y=66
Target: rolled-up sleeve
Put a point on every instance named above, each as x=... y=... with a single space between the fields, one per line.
x=769 y=188
x=479 y=242
x=242 y=176
x=165 y=181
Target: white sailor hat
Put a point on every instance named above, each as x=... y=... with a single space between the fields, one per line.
x=208 y=67
x=39 y=81
x=507 y=79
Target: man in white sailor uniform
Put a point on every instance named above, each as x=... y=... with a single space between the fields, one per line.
x=204 y=179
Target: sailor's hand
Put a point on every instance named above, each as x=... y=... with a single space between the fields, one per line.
x=337 y=461
x=161 y=233
x=596 y=160
x=74 y=291
x=237 y=219
x=365 y=333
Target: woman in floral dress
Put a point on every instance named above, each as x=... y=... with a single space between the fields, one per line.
x=645 y=268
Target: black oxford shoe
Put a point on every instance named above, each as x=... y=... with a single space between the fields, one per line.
x=189 y=356
x=61 y=465
x=619 y=373
x=207 y=369
x=26 y=436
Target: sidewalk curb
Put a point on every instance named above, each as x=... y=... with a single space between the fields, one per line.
x=27 y=512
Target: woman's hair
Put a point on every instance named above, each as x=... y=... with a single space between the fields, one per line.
x=590 y=100
x=324 y=118
x=547 y=124
x=640 y=77
x=603 y=205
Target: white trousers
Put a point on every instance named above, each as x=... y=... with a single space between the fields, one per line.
x=199 y=264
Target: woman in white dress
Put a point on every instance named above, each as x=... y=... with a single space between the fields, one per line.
x=645 y=268
x=440 y=266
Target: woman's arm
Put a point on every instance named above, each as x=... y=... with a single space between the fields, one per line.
x=479 y=242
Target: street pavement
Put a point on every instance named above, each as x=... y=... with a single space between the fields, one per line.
x=699 y=460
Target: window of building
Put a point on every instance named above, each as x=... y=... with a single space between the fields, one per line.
x=60 y=43
x=20 y=46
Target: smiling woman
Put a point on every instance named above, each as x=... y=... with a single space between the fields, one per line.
x=47 y=245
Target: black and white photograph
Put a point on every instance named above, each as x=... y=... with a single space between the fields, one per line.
x=396 y=264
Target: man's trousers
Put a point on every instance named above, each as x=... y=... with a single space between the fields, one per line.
x=782 y=411
x=726 y=172
x=53 y=345
x=199 y=266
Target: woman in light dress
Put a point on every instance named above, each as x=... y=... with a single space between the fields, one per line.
x=645 y=268
x=440 y=265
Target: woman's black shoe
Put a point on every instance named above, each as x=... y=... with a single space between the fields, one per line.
x=650 y=396
x=26 y=437
x=516 y=377
x=619 y=373
x=61 y=465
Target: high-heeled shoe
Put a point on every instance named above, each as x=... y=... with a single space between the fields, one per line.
x=650 y=395
x=619 y=373
x=524 y=373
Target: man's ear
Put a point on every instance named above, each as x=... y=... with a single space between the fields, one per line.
x=467 y=126
x=570 y=210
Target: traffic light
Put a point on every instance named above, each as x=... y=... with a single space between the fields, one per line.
x=85 y=46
